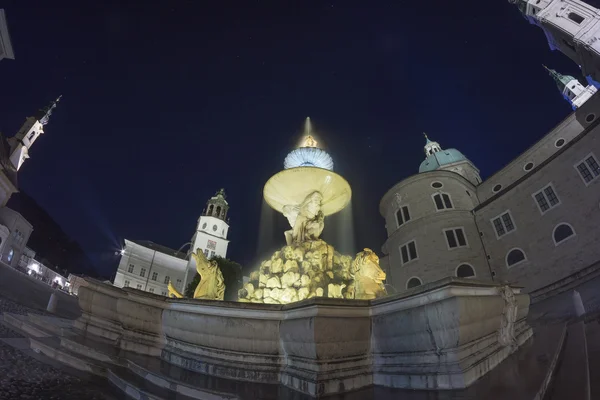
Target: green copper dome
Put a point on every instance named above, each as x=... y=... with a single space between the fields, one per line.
x=560 y=79
x=441 y=158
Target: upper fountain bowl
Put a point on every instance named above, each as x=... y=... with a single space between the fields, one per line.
x=291 y=186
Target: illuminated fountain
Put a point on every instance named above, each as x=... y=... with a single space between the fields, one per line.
x=305 y=192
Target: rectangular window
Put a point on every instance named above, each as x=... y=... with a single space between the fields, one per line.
x=503 y=224
x=212 y=254
x=126 y=284
x=130 y=269
x=206 y=253
x=167 y=280
x=455 y=238
x=143 y=272
x=442 y=201
x=402 y=216
x=546 y=198
x=154 y=276
x=151 y=290
x=578 y=19
x=408 y=252
x=588 y=169
x=178 y=282
x=211 y=245
x=163 y=293
x=139 y=286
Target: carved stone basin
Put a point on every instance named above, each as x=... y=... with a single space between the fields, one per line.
x=292 y=186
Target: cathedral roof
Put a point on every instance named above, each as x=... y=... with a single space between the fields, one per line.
x=441 y=158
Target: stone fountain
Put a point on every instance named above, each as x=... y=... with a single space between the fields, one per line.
x=310 y=320
x=305 y=192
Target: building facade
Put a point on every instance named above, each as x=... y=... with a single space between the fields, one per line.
x=6 y=50
x=535 y=222
x=148 y=266
x=19 y=230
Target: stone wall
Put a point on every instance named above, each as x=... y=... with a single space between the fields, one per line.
x=442 y=335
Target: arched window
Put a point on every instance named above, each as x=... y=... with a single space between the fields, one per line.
x=413 y=282
x=465 y=271
x=442 y=201
x=514 y=257
x=218 y=211
x=210 y=209
x=562 y=232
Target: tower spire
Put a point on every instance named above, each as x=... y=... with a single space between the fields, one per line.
x=45 y=113
x=571 y=89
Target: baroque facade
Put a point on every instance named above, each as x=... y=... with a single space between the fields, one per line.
x=533 y=223
x=148 y=266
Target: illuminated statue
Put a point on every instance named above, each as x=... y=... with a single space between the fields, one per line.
x=305 y=192
x=212 y=284
x=306 y=220
x=368 y=276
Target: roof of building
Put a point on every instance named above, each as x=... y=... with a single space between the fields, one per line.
x=160 y=248
x=441 y=158
x=560 y=79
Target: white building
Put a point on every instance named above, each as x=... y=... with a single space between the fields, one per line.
x=148 y=266
x=6 y=50
x=572 y=27
x=571 y=89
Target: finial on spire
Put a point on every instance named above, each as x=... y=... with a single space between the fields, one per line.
x=46 y=112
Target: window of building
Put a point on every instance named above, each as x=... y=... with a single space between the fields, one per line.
x=503 y=224
x=442 y=201
x=528 y=166
x=559 y=143
x=497 y=188
x=154 y=276
x=590 y=117
x=562 y=232
x=514 y=257
x=413 y=282
x=402 y=216
x=151 y=290
x=465 y=271
x=139 y=286
x=163 y=293
x=578 y=19
x=178 y=282
x=130 y=269
x=206 y=253
x=212 y=254
x=455 y=237
x=167 y=278
x=126 y=284
x=546 y=198
x=31 y=135
x=437 y=185
x=588 y=169
x=143 y=272
x=408 y=252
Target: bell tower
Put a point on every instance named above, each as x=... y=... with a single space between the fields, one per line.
x=572 y=27
x=213 y=227
x=28 y=134
x=571 y=89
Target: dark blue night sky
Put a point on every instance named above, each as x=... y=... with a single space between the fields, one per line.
x=165 y=103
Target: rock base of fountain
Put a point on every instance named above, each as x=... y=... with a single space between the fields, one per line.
x=301 y=271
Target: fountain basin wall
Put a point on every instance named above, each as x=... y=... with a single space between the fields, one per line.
x=443 y=335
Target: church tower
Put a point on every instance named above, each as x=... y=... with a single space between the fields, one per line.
x=213 y=226
x=571 y=89
x=28 y=134
x=572 y=27
x=449 y=160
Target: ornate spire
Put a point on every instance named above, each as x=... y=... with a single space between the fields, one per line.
x=426 y=138
x=44 y=114
x=560 y=79
x=431 y=146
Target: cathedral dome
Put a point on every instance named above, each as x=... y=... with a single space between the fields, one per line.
x=441 y=158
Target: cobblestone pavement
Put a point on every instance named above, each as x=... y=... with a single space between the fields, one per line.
x=22 y=377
